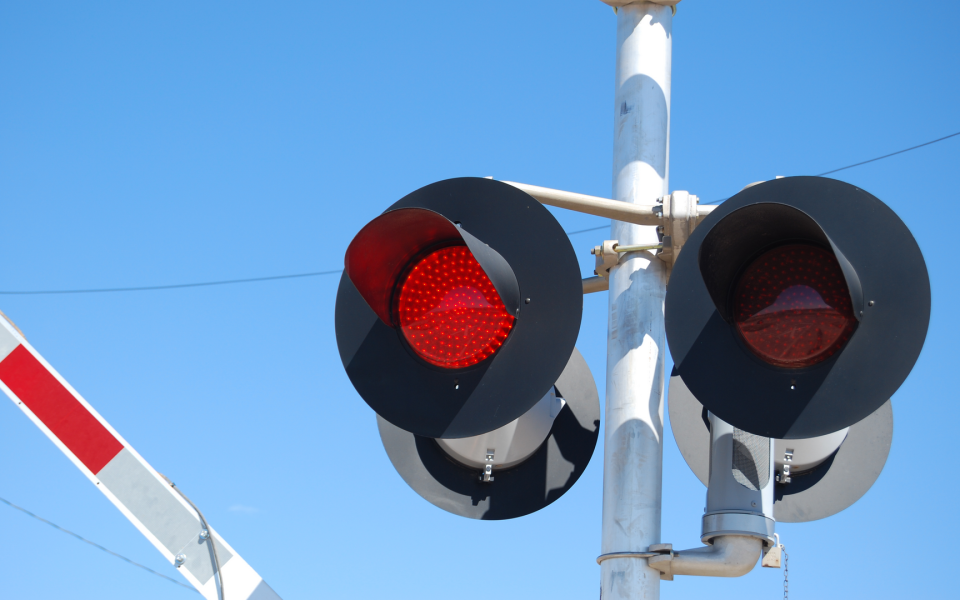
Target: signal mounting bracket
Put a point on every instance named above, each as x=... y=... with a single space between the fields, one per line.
x=606 y=256
x=681 y=213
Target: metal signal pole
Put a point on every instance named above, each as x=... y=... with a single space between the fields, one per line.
x=633 y=438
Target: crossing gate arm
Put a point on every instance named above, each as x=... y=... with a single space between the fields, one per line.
x=154 y=507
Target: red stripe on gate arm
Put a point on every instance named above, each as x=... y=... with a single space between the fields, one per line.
x=59 y=410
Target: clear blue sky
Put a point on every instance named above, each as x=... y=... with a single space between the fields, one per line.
x=156 y=143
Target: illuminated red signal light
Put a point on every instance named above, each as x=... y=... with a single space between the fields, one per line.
x=431 y=327
x=792 y=307
x=449 y=311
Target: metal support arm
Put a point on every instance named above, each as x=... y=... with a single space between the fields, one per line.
x=595 y=284
x=638 y=214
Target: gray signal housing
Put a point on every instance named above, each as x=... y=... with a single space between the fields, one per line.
x=741 y=479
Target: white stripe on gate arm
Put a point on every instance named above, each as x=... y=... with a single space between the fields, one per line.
x=155 y=508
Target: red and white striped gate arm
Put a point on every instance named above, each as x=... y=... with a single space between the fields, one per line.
x=142 y=494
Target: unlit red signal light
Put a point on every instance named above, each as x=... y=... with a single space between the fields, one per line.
x=792 y=307
x=797 y=307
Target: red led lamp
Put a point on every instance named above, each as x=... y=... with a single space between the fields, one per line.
x=448 y=310
x=792 y=306
x=453 y=299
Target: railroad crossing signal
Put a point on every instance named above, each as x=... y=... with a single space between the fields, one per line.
x=456 y=319
x=458 y=309
x=797 y=308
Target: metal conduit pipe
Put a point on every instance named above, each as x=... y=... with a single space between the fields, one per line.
x=738 y=517
x=728 y=556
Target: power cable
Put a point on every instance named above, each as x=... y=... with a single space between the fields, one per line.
x=95 y=545
x=946 y=137
x=586 y=230
x=316 y=273
x=207 y=283
x=891 y=154
x=174 y=286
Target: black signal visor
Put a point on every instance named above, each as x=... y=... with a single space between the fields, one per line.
x=746 y=233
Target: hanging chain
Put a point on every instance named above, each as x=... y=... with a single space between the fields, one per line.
x=786 y=572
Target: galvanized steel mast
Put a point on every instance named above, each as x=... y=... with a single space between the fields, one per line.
x=636 y=343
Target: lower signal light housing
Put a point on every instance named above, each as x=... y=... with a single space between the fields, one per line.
x=829 y=473
x=792 y=307
x=449 y=311
x=512 y=471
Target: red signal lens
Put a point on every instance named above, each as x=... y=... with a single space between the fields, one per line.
x=449 y=311
x=792 y=306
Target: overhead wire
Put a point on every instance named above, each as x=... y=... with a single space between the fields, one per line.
x=318 y=273
x=96 y=545
x=946 y=137
x=586 y=230
x=891 y=154
x=174 y=286
x=206 y=283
